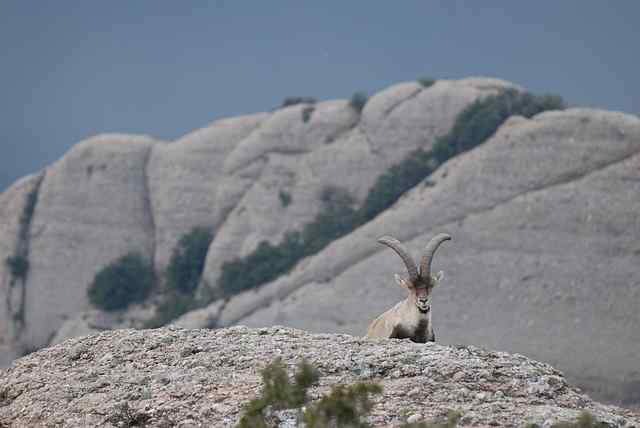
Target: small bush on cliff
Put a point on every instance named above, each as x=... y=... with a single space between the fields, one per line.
x=187 y=261
x=28 y=210
x=18 y=266
x=345 y=406
x=127 y=280
x=426 y=81
x=264 y=264
x=292 y=101
x=285 y=198
x=358 y=101
x=481 y=119
x=172 y=305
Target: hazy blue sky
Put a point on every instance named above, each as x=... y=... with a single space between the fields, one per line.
x=72 y=69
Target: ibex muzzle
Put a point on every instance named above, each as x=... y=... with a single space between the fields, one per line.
x=411 y=318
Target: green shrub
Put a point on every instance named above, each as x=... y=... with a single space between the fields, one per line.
x=173 y=305
x=278 y=392
x=358 y=101
x=28 y=211
x=18 y=265
x=269 y=261
x=426 y=81
x=264 y=264
x=480 y=120
x=344 y=406
x=285 y=198
x=396 y=181
x=187 y=261
x=127 y=280
x=306 y=113
x=291 y=101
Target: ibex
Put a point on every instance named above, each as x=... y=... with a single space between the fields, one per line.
x=411 y=318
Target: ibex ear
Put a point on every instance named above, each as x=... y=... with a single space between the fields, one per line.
x=401 y=281
x=438 y=277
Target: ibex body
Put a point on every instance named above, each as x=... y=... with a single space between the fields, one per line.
x=411 y=318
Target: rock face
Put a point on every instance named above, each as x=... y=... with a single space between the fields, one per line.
x=115 y=194
x=543 y=217
x=175 y=377
x=544 y=258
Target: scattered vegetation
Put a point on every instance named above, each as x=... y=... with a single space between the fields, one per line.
x=28 y=211
x=358 y=101
x=183 y=277
x=18 y=266
x=344 y=406
x=396 y=181
x=268 y=261
x=18 y=263
x=481 y=119
x=291 y=101
x=264 y=264
x=127 y=280
x=187 y=261
x=173 y=305
x=285 y=198
x=338 y=216
x=426 y=81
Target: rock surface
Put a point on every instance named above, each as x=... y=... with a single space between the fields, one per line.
x=175 y=377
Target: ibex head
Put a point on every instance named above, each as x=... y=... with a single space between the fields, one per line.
x=420 y=282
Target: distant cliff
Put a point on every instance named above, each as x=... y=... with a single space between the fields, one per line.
x=543 y=216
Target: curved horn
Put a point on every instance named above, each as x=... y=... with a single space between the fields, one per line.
x=430 y=249
x=397 y=246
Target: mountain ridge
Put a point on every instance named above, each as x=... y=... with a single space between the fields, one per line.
x=114 y=194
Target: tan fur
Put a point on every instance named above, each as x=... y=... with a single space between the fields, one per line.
x=410 y=318
x=404 y=320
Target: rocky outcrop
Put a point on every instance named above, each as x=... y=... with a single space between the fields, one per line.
x=175 y=377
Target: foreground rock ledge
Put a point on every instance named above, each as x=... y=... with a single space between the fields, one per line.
x=176 y=377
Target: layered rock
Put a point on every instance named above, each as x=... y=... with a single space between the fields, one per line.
x=12 y=290
x=543 y=261
x=93 y=207
x=335 y=147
